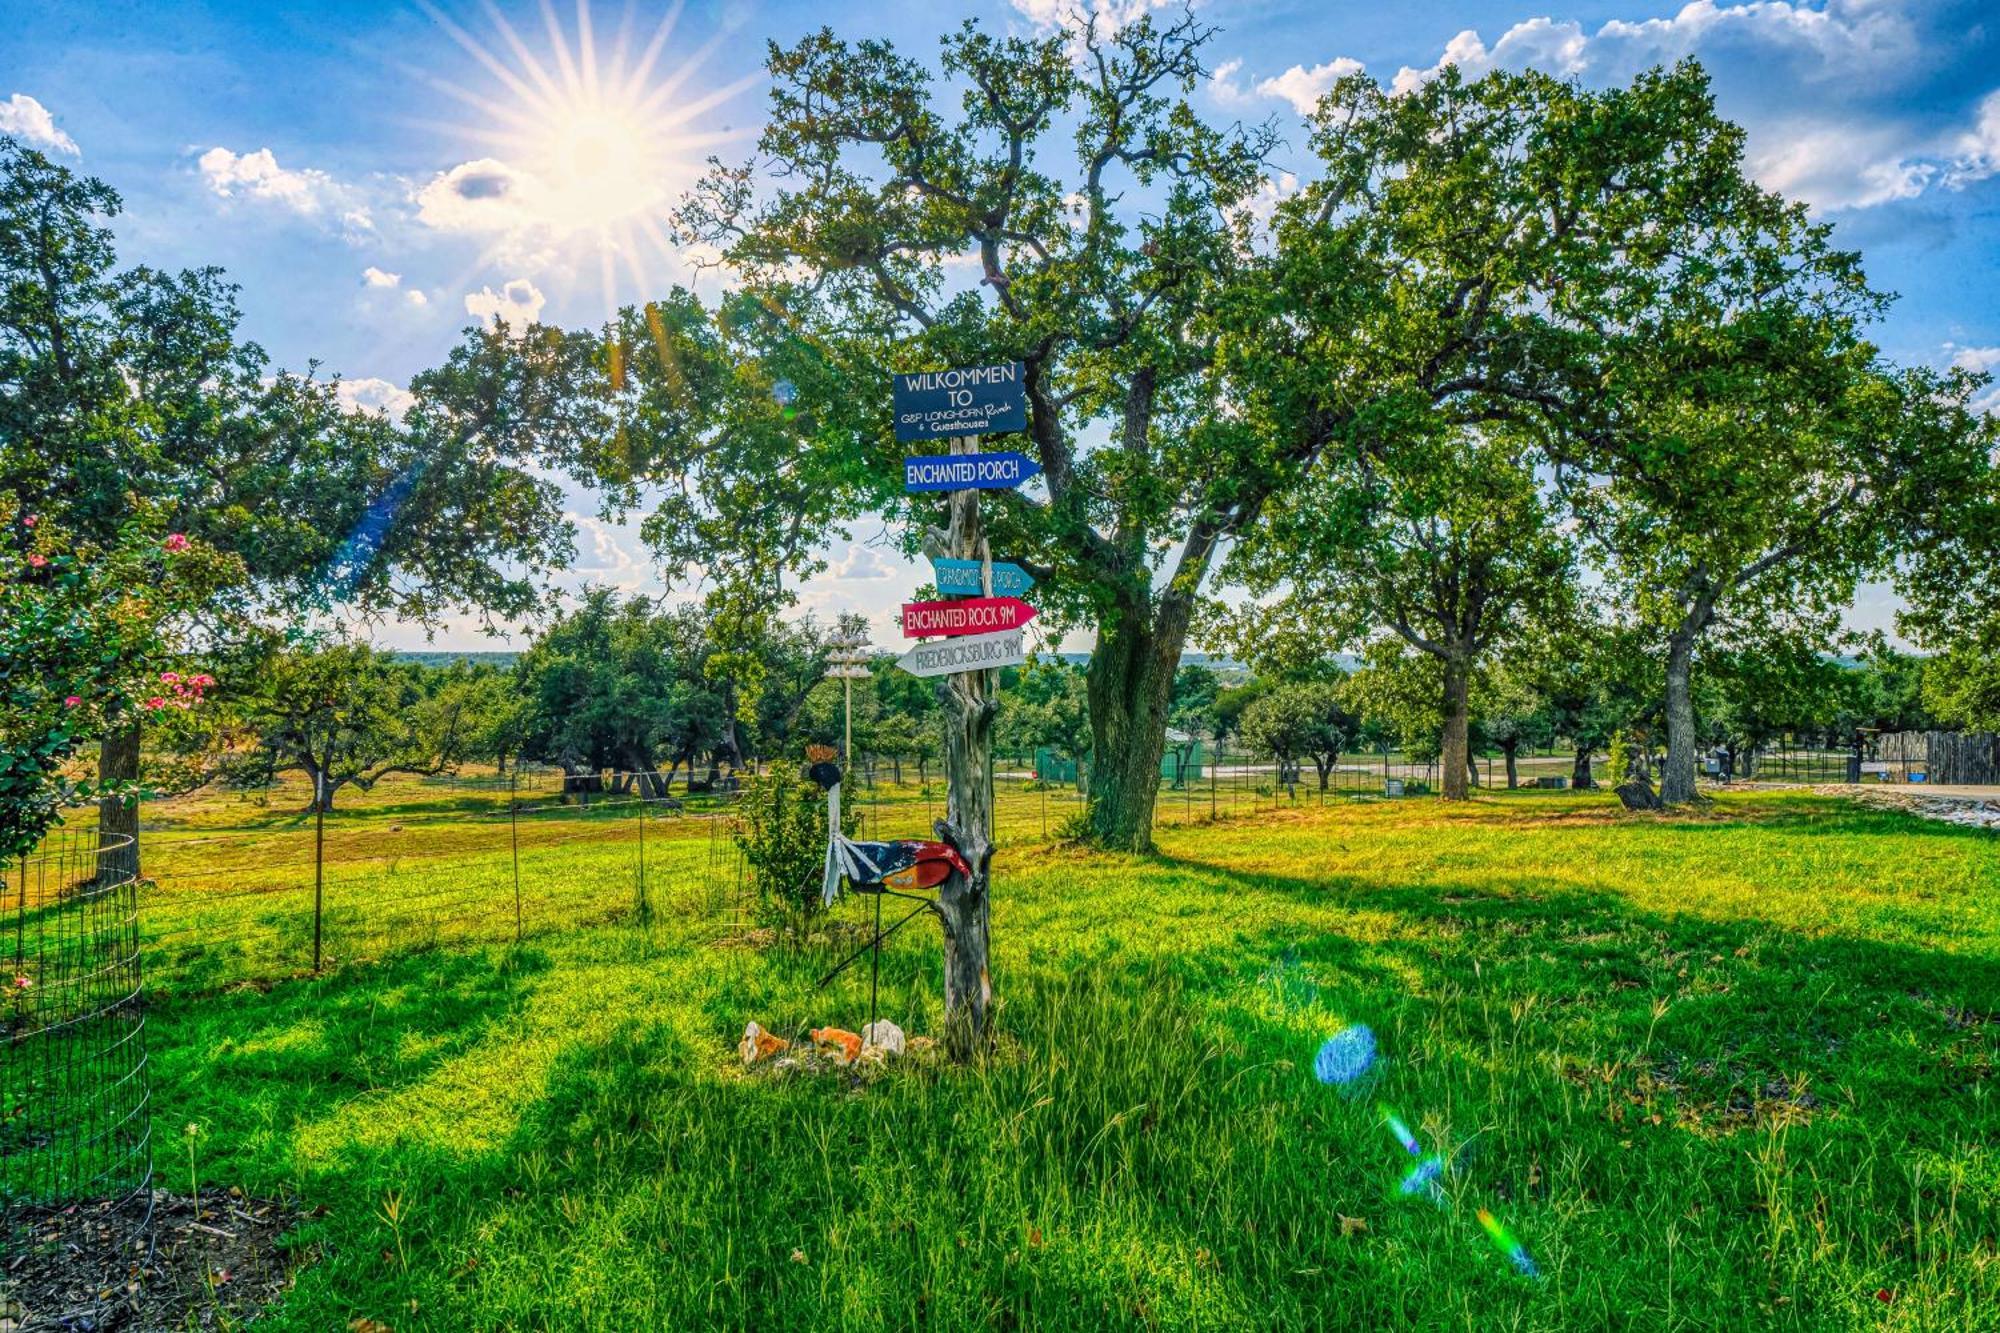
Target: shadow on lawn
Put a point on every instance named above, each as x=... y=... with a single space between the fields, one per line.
x=308 y=1047
x=1719 y=1011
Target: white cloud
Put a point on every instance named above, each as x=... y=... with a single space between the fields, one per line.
x=1222 y=83
x=519 y=303
x=1974 y=358
x=368 y=394
x=1841 y=39
x=375 y=277
x=1822 y=88
x=609 y=554
x=1978 y=149
x=1985 y=360
x=1304 y=87
x=1111 y=14
x=416 y=297
x=485 y=195
x=29 y=121
x=864 y=563
x=257 y=175
x=1846 y=166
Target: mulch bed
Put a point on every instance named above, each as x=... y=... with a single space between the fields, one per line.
x=93 y=1268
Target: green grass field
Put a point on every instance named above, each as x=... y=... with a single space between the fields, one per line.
x=1732 y=1070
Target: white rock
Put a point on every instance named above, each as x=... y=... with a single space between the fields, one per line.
x=884 y=1035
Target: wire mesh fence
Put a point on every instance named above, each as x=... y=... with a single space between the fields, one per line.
x=497 y=858
x=73 y=1081
x=478 y=858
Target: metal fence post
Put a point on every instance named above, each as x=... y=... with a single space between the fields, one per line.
x=639 y=783
x=514 y=829
x=319 y=862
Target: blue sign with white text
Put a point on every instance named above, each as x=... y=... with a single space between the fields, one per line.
x=968 y=472
x=947 y=404
x=960 y=578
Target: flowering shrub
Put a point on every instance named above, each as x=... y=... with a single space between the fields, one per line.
x=84 y=632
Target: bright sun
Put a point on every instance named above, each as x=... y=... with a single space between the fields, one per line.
x=600 y=165
x=589 y=142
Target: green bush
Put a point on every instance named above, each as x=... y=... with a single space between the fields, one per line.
x=782 y=831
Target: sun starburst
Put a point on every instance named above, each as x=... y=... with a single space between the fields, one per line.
x=585 y=145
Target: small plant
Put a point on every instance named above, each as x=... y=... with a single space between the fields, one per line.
x=782 y=831
x=391 y=1213
x=192 y=1133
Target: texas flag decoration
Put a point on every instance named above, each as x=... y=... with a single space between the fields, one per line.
x=968 y=615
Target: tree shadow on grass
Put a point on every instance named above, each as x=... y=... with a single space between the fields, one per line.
x=248 y=1065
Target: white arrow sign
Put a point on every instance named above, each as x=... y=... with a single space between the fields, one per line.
x=969 y=652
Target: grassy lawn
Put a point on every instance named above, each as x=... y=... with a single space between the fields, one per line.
x=1732 y=1070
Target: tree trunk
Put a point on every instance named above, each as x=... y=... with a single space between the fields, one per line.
x=1325 y=767
x=896 y=769
x=964 y=901
x=1455 y=750
x=1513 y=776
x=323 y=792
x=118 y=817
x=1131 y=687
x=1677 y=774
x=1579 y=773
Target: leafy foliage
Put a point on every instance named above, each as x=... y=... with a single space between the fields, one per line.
x=1301 y=720
x=782 y=829
x=87 y=631
x=345 y=714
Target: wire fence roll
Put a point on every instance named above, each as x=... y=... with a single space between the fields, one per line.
x=74 y=1085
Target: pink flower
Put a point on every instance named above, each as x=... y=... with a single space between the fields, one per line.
x=22 y=983
x=155 y=702
x=176 y=542
x=202 y=681
x=37 y=559
x=170 y=678
x=72 y=701
x=29 y=521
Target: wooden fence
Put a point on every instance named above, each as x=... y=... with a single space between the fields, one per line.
x=1961 y=758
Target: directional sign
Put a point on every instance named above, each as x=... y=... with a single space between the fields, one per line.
x=973 y=615
x=974 y=652
x=968 y=472
x=977 y=400
x=962 y=577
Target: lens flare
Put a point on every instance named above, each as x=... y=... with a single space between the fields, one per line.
x=1345 y=1056
x=1401 y=1132
x=1503 y=1241
x=356 y=554
x=1423 y=1177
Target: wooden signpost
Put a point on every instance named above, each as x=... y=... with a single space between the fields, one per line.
x=968 y=653
x=967 y=615
x=965 y=578
x=963 y=405
x=951 y=404
x=968 y=471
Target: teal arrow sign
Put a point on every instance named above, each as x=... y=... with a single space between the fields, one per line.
x=960 y=578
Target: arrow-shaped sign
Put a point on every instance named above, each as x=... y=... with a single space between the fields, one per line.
x=974 y=652
x=971 y=615
x=962 y=577
x=968 y=472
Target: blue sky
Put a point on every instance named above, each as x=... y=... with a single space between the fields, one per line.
x=379 y=175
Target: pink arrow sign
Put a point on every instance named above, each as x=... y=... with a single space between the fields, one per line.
x=966 y=615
